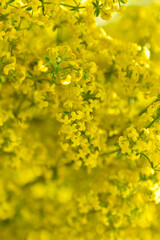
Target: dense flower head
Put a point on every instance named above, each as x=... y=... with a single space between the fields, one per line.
x=79 y=120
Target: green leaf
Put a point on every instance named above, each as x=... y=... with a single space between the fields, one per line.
x=122 y=1
x=0 y=80
x=135 y=212
x=11 y=1
x=56 y=71
x=116 y=144
x=158 y=111
x=94 y=4
x=96 y=12
x=66 y=112
x=119 y=152
x=46 y=58
x=29 y=9
x=30 y=73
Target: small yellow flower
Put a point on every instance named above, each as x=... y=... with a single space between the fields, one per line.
x=42 y=67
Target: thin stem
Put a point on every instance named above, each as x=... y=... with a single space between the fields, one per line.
x=18 y=28
x=150 y=162
x=74 y=7
x=151 y=124
x=133 y=191
x=12 y=5
x=153 y=121
x=42 y=1
x=144 y=110
x=108 y=153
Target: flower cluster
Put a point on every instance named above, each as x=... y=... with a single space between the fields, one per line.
x=79 y=121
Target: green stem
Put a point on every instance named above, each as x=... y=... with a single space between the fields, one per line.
x=74 y=7
x=151 y=124
x=144 y=110
x=158 y=117
x=108 y=153
x=133 y=191
x=12 y=6
x=150 y=162
x=42 y=1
